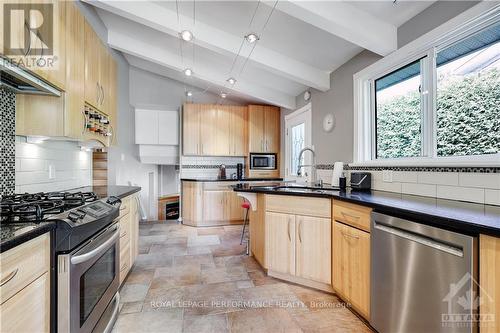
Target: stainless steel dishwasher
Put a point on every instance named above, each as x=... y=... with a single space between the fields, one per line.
x=423 y=279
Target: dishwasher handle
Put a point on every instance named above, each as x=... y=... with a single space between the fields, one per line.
x=428 y=241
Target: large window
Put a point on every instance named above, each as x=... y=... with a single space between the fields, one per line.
x=441 y=105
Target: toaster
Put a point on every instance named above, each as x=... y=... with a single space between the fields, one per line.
x=361 y=181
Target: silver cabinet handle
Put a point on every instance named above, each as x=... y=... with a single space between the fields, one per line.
x=103 y=96
x=98 y=92
x=350 y=215
x=9 y=277
x=89 y=255
x=289 y=236
x=300 y=231
x=345 y=234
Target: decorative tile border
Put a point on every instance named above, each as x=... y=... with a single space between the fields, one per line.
x=8 y=143
x=421 y=169
x=209 y=166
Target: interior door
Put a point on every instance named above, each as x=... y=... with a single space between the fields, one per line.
x=351 y=266
x=297 y=136
x=314 y=248
x=280 y=240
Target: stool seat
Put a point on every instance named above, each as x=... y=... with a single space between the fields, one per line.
x=245 y=205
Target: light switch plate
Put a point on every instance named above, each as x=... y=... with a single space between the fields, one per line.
x=52 y=171
x=387 y=176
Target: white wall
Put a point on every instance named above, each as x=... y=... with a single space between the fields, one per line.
x=72 y=166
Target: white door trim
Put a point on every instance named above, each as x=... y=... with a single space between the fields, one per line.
x=306 y=112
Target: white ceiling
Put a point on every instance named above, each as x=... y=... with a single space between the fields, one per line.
x=301 y=44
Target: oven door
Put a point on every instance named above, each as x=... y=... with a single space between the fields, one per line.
x=262 y=161
x=88 y=281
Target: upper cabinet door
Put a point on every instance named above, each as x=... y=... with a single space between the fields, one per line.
x=112 y=96
x=104 y=78
x=146 y=127
x=222 y=127
x=238 y=131
x=256 y=129
x=92 y=56
x=168 y=127
x=209 y=127
x=272 y=129
x=191 y=129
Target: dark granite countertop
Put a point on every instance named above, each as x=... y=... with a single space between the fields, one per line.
x=14 y=234
x=120 y=191
x=231 y=180
x=465 y=217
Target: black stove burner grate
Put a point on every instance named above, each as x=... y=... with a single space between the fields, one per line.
x=38 y=206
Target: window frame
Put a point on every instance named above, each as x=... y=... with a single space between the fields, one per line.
x=425 y=47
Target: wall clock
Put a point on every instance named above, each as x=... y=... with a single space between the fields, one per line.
x=328 y=122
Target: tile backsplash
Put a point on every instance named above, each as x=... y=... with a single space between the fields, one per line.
x=7 y=145
x=208 y=166
x=473 y=186
x=51 y=166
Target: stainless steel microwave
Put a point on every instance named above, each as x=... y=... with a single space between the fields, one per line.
x=262 y=161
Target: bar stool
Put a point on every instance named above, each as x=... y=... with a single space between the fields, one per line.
x=244 y=205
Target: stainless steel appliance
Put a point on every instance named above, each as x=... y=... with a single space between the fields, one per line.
x=423 y=279
x=22 y=81
x=262 y=161
x=86 y=250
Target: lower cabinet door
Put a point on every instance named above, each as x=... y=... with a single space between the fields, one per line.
x=351 y=266
x=29 y=309
x=314 y=248
x=214 y=205
x=235 y=211
x=280 y=240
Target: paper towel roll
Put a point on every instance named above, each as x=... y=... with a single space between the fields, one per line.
x=338 y=168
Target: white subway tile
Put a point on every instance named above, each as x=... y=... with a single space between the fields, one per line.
x=404 y=176
x=461 y=193
x=32 y=164
x=438 y=178
x=34 y=177
x=481 y=180
x=492 y=197
x=426 y=190
x=388 y=187
x=18 y=164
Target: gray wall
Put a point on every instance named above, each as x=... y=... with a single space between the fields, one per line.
x=336 y=145
x=432 y=17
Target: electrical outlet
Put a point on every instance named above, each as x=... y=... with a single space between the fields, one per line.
x=52 y=171
x=387 y=176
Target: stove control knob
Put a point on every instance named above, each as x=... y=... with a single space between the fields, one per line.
x=73 y=216
x=81 y=213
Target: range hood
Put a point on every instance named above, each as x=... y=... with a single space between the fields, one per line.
x=21 y=81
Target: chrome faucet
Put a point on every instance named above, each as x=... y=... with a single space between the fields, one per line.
x=314 y=176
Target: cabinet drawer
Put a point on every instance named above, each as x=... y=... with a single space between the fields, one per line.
x=124 y=229
x=124 y=261
x=125 y=206
x=264 y=174
x=216 y=186
x=287 y=204
x=352 y=214
x=23 y=264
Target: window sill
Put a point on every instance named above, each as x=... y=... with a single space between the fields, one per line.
x=466 y=161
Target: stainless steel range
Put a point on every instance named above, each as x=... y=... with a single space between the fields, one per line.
x=87 y=254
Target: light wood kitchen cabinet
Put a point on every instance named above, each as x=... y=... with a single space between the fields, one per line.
x=263 y=129
x=258 y=231
x=92 y=66
x=314 y=248
x=351 y=266
x=129 y=234
x=210 y=203
x=214 y=130
x=191 y=129
x=113 y=99
x=489 y=272
x=280 y=242
x=352 y=214
x=25 y=289
x=104 y=79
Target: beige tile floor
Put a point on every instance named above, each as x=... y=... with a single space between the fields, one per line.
x=199 y=280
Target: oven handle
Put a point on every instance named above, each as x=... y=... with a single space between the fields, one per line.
x=91 y=254
x=112 y=320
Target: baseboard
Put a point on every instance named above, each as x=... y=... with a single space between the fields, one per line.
x=305 y=282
